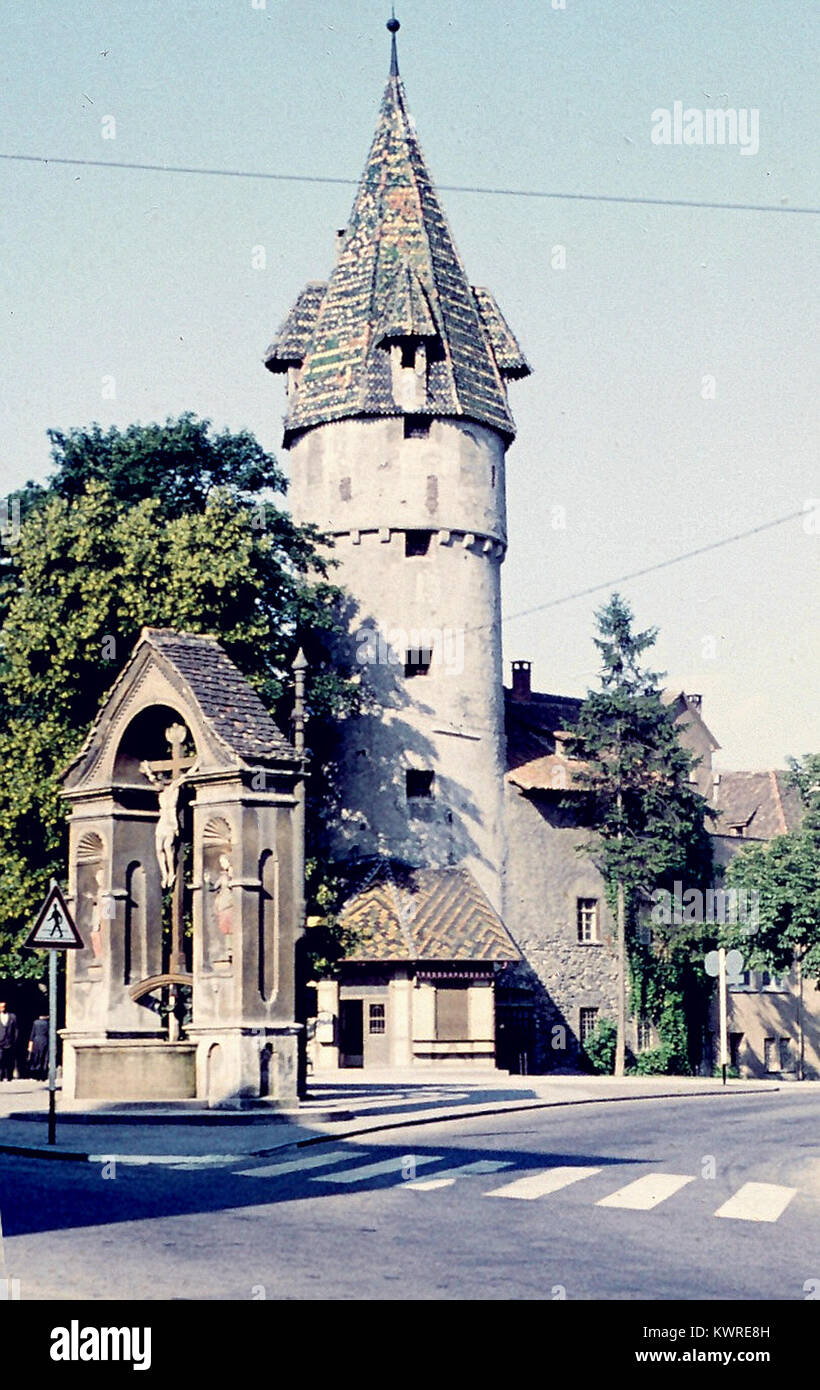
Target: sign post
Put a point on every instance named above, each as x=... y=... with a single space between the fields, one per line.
x=724 y=1011
x=725 y=966
x=53 y=931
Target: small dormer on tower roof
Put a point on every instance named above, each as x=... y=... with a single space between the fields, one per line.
x=398 y=299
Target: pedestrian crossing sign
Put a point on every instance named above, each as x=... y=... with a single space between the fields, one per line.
x=54 y=928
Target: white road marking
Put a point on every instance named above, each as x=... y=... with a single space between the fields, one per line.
x=540 y=1184
x=646 y=1192
x=377 y=1170
x=757 y=1201
x=298 y=1165
x=169 y=1160
x=451 y=1175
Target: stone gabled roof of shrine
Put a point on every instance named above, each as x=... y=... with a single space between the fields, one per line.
x=398 y=913
x=228 y=703
x=209 y=682
x=398 y=275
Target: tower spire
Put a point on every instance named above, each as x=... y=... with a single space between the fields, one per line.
x=393 y=26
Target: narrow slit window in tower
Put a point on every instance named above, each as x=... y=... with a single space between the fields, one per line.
x=417 y=661
x=418 y=783
x=417 y=542
x=416 y=426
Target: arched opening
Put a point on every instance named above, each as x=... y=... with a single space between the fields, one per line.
x=134 y=935
x=268 y=947
x=145 y=739
x=266 y=1070
x=215 y=1080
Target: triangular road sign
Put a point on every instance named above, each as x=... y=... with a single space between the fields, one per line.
x=54 y=928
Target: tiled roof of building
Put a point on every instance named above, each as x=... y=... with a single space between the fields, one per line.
x=551 y=773
x=531 y=725
x=404 y=914
x=294 y=336
x=758 y=804
x=398 y=275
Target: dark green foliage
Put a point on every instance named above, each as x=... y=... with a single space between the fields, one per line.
x=785 y=874
x=599 y=1048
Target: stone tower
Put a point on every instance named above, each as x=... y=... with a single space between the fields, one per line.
x=397 y=428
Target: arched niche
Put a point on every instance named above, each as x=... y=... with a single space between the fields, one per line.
x=218 y=871
x=268 y=947
x=134 y=966
x=144 y=738
x=90 y=860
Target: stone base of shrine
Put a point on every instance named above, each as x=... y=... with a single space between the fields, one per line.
x=128 y=1069
x=238 y=1066
x=224 y=1068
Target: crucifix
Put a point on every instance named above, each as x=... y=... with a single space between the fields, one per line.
x=167 y=837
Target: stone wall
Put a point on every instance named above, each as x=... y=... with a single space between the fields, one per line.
x=545 y=877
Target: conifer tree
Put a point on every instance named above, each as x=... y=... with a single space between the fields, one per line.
x=646 y=815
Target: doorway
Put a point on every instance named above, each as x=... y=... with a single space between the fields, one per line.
x=351 y=1033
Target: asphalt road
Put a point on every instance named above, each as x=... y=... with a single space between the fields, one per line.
x=612 y=1201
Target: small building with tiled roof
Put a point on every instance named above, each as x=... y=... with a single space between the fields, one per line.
x=417 y=981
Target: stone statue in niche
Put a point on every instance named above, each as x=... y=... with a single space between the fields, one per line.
x=222 y=888
x=96 y=900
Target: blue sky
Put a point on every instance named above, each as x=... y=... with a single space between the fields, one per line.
x=147 y=278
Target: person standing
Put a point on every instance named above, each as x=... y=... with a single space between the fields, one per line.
x=8 y=1042
x=38 y=1048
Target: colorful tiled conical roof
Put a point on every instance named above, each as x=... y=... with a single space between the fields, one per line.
x=398 y=281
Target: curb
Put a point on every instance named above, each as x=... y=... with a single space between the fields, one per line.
x=439 y=1117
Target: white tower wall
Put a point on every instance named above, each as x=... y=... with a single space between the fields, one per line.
x=366 y=484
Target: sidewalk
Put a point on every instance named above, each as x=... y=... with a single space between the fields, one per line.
x=338 y=1106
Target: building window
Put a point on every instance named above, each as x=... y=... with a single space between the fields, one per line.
x=376 y=1019
x=589 y=1017
x=587 y=920
x=644 y=1034
x=771 y=1054
x=417 y=661
x=772 y=983
x=785 y=1051
x=418 y=783
x=735 y=1039
x=345 y=490
x=452 y=1016
x=417 y=542
x=416 y=426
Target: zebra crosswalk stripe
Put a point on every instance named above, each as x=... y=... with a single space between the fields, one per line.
x=378 y=1170
x=464 y=1170
x=757 y=1201
x=298 y=1165
x=646 y=1192
x=540 y=1184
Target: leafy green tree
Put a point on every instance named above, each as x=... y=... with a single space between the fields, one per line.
x=600 y=1046
x=784 y=875
x=156 y=526
x=647 y=818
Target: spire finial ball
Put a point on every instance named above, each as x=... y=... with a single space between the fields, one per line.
x=393 y=25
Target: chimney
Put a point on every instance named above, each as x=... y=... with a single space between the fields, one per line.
x=340 y=241
x=521 y=680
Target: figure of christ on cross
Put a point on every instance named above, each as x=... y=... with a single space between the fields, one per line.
x=168 y=828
